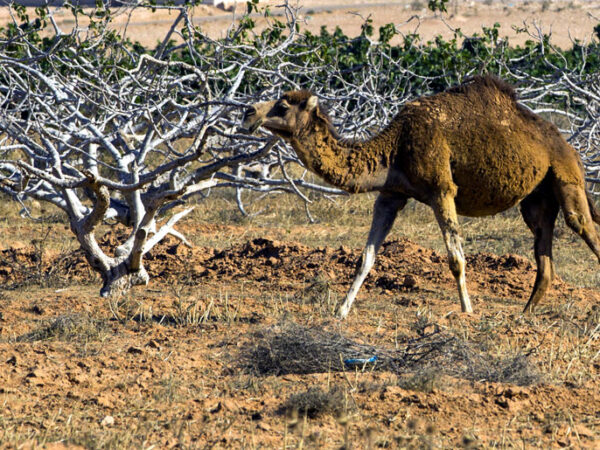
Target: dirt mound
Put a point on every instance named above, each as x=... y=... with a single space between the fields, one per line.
x=27 y=264
x=401 y=265
x=11 y=259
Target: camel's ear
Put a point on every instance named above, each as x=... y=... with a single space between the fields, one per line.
x=312 y=103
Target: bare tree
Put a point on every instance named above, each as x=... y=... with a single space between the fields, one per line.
x=108 y=134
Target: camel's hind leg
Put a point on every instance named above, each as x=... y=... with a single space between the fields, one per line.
x=574 y=203
x=539 y=210
x=384 y=213
x=445 y=213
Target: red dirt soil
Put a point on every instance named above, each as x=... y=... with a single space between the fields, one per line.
x=174 y=384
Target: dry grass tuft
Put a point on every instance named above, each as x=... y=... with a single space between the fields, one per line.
x=474 y=363
x=78 y=327
x=314 y=402
x=317 y=291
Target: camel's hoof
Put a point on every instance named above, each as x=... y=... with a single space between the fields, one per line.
x=341 y=314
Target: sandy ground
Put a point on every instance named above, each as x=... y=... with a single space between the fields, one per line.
x=565 y=20
x=190 y=361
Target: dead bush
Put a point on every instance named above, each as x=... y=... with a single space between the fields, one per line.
x=290 y=348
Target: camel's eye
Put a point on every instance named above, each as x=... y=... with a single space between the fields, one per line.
x=280 y=108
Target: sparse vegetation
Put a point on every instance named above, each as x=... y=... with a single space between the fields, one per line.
x=68 y=327
x=232 y=344
x=315 y=402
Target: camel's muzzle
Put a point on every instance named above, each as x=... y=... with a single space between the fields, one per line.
x=249 y=122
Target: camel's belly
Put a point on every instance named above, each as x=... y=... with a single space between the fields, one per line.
x=495 y=184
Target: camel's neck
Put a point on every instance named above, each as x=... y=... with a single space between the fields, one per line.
x=355 y=166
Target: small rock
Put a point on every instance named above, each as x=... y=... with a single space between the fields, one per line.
x=12 y=360
x=37 y=309
x=153 y=344
x=272 y=261
x=502 y=402
x=344 y=250
x=135 y=350
x=410 y=281
x=263 y=426
x=105 y=400
x=214 y=407
x=108 y=421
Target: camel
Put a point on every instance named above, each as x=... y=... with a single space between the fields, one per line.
x=471 y=150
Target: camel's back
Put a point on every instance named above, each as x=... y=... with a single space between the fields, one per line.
x=497 y=150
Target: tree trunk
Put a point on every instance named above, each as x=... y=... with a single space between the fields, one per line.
x=120 y=278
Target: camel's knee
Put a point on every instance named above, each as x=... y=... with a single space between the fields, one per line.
x=575 y=221
x=457 y=265
x=366 y=260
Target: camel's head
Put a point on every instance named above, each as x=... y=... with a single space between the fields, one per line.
x=286 y=117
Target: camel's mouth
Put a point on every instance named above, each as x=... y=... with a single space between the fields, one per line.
x=250 y=128
x=282 y=132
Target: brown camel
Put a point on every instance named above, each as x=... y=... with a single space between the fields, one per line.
x=471 y=150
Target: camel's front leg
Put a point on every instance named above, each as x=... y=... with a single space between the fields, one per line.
x=445 y=213
x=384 y=213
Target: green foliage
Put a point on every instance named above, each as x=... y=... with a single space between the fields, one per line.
x=437 y=5
x=408 y=63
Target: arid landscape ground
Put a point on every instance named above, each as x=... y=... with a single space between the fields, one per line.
x=233 y=344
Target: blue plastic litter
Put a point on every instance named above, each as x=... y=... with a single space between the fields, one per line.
x=360 y=361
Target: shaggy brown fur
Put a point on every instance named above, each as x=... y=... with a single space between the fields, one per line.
x=471 y=150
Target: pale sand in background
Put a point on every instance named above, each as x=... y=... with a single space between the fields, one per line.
x=565 y=20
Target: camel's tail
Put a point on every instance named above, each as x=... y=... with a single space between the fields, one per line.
x=593 y=210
